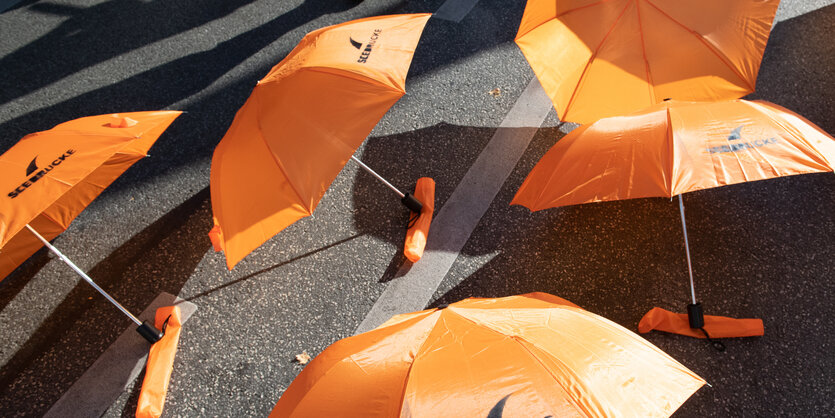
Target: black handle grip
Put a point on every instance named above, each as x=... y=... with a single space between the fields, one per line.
x=149 y=332
x=695 y=315
x=412 y=203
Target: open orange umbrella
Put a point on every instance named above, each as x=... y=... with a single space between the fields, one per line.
x=302 y=123
x=612 y=57
x=49 y=177
x=673 y=148
x=531 y=355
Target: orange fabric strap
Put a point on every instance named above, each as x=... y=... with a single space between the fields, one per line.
x=419 y=229
x=160 y=364
x=717 y=326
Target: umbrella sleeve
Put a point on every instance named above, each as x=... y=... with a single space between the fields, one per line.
x=419 y=228
x=717 y=326
x=160 y=364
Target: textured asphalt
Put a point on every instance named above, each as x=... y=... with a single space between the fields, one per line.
x=763 y=249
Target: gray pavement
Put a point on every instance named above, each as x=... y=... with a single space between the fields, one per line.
x=762 y=249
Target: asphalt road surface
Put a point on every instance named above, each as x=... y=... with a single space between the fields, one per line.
x=761 y=249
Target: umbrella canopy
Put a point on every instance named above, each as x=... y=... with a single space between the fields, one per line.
x=302 y=123
x=676 y=147
x=49 y=177
x=672 y=148
x=603 y=58
x=529 y=355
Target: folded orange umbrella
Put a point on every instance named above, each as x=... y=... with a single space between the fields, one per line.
x=673 y=148
x=604 y=58
x=160 y=364
x=301 y=125
x=532 y=355
x=419 y=223
x=49 y=177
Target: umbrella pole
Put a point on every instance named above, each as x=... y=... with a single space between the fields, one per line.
x=406 y=198
x=694 y=310
x=148 y=331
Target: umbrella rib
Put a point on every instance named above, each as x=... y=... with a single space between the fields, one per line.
x=354 y=76
x=790 y=129
x=591 y=59
x=644 y=52
x=672 y=151
x=417 y=353
x=537 y=359
x=719 y=54
x=279 y=165
x=579 y=8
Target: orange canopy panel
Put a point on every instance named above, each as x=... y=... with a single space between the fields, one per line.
x=49 y=177
x=302 y=123
x=676 y=147
x=532 y=355
x=604 y=58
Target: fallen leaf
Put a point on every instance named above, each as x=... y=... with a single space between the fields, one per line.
x=496 y=92
x=303 y=358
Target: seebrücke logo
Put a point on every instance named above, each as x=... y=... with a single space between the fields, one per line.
x=366 y=52
x=736 y=135
x=33 y=168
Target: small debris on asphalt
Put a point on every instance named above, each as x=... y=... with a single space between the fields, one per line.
x=303 y=358
x=496 y=92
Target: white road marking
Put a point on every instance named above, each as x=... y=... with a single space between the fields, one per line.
x=96 y=390
x=414 y=284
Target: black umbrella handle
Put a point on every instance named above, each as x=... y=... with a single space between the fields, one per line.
x=149 y=332
x=411 y=202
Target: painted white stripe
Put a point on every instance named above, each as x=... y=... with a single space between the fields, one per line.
x=455 y=10
x=413 y=286
x=96 y=390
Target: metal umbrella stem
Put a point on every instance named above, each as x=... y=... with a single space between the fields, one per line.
x=379 y=177
x=406 y=198
x=83 y=275
x=687 y=248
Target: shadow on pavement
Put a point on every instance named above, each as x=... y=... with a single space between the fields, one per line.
x=158 y=259
x=798 y=64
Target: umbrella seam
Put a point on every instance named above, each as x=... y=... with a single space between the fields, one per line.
x=517 y=341
x=672 y=151
x=644 y=53
x=276 y=160
x=591 y=60
x=790 y=129
x=556 y=17
x=709 y=45
x=353 y=75
x=417 y=353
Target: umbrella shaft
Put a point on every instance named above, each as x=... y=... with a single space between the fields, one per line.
x=379 y=177
x=83 y=275
x=687 y=248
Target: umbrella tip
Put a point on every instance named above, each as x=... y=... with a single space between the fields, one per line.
x=668 y=99
x=121 y=122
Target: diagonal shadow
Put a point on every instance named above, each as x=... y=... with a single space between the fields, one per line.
x=169 y=83
x=159 y=258
x=105 y=30
x=273 y=267
x=14 y=283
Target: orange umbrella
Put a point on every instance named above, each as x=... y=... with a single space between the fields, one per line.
x=532 y=355
x=673 y=148
x=302 y=123
x=604 y=58
x=49 y=177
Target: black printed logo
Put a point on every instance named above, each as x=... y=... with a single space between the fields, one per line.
x=369 y=47
x=38 y=174
x=736 y=135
